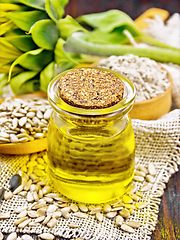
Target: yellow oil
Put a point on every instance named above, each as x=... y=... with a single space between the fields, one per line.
x=91 y=164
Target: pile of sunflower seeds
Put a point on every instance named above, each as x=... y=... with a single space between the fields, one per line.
x=148 y=77
x=23 y=120
x=44 y=205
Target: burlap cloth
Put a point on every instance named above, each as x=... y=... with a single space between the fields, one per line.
x=156 y=141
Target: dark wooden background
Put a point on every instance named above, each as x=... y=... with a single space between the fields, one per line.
x=133 y=8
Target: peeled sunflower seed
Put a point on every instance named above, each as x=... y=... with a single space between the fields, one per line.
x=52 y=223
x=46 y=236
x=124 y=213
x=140 y=205
x=26 y=237
x=138 y=178
x=99 y=217
x=12 y=236
x=119 y=220
x=127 y=228
x=133 y=224
x=39 y=219
x=83 y=207
x=107 y=208
x=20 y=209
x=5 y=215
x=18 y=190
x=150 y=178
x=20 y=220
x=74 y=207
x=80 y=215
x=146 y=187
x=151 y=169
x=111 y=214
x=24 y=224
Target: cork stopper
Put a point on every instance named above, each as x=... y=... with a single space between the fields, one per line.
x=91 y=88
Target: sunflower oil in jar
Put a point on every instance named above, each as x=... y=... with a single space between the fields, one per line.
x=91 y=144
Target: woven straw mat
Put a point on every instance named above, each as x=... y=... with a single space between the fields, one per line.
x=156 y=141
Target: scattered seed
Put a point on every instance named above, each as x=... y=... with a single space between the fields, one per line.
x=74 y=207
x=12 y=236
x=22 y=214
x=119 y=220
x=132 y=189
x=20 y=220
x=20 y=209
x=146 y=187
x=99 y=216
x=111 y=214
x=46 y=189
x=134 y=197
x=140 y=173
x=83 y=207
x=47 y=219
x=127 y=228
x=56 y=214
x=52 y=222
x=30 y=197
x=5 y=215
x=138 y=178
x=107 y=208
x=24 y=224
x=143 y=169
x=18 y=189
x=133 y=224
x=124 y=213
x=51 y=208
x=151 y=169
x=39 y=219
x=15 y=181
x=46 y=236
x=150 y=178
x=127 y=199
x=32 y=214
x=140 y=205
x=26 y=237
x=80 y=215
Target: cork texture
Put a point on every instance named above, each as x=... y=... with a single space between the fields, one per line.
x=91 y=88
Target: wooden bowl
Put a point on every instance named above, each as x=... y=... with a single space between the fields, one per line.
x=27 y=147
x=153 y=108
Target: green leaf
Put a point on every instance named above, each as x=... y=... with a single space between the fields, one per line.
x=39 y=4
x=47 y=75
x=55 y=8
x=60 y=55
x=19 y=79
x=67 y=26
x=107 y=21
x=23 y=43
x=3 y=82
x=24 y=19
x=34 y=60
x=4 y=27
x=45 y=34
x=29 y=87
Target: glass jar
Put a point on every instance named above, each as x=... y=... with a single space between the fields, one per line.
x=91 y=151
